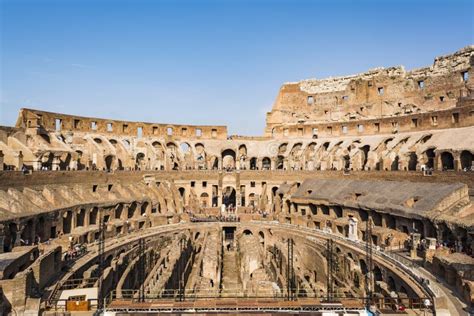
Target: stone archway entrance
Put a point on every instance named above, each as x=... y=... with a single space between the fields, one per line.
x=228 y=196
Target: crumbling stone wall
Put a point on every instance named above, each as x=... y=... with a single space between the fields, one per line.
x=377 y=93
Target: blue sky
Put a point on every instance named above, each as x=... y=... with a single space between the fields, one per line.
x=206 y=62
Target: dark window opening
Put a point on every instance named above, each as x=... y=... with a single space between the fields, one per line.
x=455 y=118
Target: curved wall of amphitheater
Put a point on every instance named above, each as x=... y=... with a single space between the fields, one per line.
x=380 y=160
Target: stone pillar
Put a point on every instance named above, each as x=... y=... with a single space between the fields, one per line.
x=415 y=241
x=18 y=236
x=353 y=235
x=272 y=164
x=437 y=164
x=73 y=164
x=19 y=161
x=56 y=163
x=292 y=208
x=457 y=161
x=37 y=165
x=1 y=166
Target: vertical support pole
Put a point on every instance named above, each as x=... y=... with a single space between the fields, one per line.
x=181 y=269
x=290 y=273
x=141 y=269
x=370 y=267
x=100 y=297
x=330 y=270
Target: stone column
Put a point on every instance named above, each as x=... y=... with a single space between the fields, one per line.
x=457 y=161
x=415 y=241
x=56 y=162
x=272 y=164
x=18 y=235
x=353 y=235
x=1 y=166
x=37 y=165
x=19 y=161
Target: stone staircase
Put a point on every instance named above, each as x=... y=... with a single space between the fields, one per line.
x=231 y=285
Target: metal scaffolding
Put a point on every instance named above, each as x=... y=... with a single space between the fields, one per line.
x=330 y=270
x=290 y=273
x=101 y=257
x=141 y=269
x=369 y=283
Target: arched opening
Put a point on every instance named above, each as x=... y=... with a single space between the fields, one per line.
x=158 y=147
x=395 y=162
x=390 y=221
x=247 y=232
x=204 y=199
x=40 y=229
x=93 y=216
x=274 y=190
x=80 y=217
x=447 y=161
x=185 y=148
x=430 y=158
x=412 y=161
x=377 y=218
x=80 y=165
x=242 y=156
x=253 y=163
x=65 y=161
x=266 y=163
x=280 y=162
x=391 y=284
x=356 y=281
x=140 y=161
x=47 y=161
x=131 y=210
x=108 y=162
x=118 y=211
x=324 y=209
x=228 y=159
x=228 y=196
x=126 y=144
x=10 y=237
x=363 y=266
x=214 y=163
x=144 y=208
x=347 y=162
x=377 y=274
x=261 y=237
x=26 y=234
x=67 y=222
x=182 y=193
x=119 y=164
x=466 y=160
x=365 y=155
x=252 y=200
